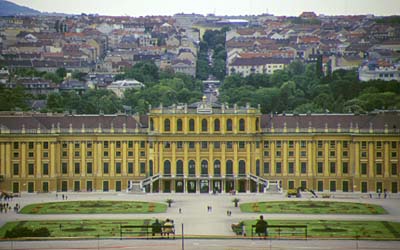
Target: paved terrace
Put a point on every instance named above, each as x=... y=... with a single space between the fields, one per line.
x=195 y=217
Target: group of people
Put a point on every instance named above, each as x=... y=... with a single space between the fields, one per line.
x=164 y=229
x=5 y=207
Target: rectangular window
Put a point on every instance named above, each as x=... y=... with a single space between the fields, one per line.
x=378 y=168
x=64 y=168
x=15 y=169
x=303 y=167
x=303 y=144
x=89 y=186
x=278 y=154
x=89 y=154
x=76 y=154
x=291 y=153
x=118 y=167
x=303 y=184
x=320 y=144
x=345 y=154
x=378 y=144
x=191 y=144
x=105 y=153
x=290 y=184
x=31 y=169
x=320 y=186
x=16 y=154
x=130 y=167
x=77 y=186
x=77 y=145
x=363 y=144
x=142 y=168
x=278 y=168
x=394 y=145
x=105 y=144
x=89 y=145
x=142 y=153
x=45 y=145
x=266 y=153
x=291 y=168
x=303 y=153
x=345 y=186
x=118 y=186
x=332 y=144
x=217 y=145
x=364 y=154
x=332 y=154
x=320 y=154
x=266 y=144
x=130 y=153
x=30 y=154
x=167 y=144
x=394 y=169
x=45 y=169
x=16 y=145
x=378 y=154
x=242 y=144
x=320 y=167
x=332 y=167
x=291 y=144
x=229 y=144
x=89 y=168
x=130 y=144
x=77 y=169
x=142 y=144
x=118 y=144
x=31 y=145
x=345 y=144
x=179 y=144
x=266 y=167
x=278 y=144
x=64 y=145
x=345 y=167
x=332 y=186
x=394 y=187
x=363 y=168
x=118 y=154
x=204 y=144
x=65 y=154
x=394 y=154
x=105 y=168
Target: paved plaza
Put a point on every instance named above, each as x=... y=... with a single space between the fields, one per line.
x=199 y=221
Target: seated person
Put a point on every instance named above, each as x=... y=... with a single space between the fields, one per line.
x=156 y=228
x=261 y=227
x=168 y=227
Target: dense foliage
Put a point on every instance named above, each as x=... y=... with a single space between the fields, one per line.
x=21 y=231
x=213 y=45
x=300 y=89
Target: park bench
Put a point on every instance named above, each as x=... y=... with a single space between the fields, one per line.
x=144 y=231
x=282 y=230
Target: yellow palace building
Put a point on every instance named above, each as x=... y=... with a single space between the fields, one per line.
x=200 y=148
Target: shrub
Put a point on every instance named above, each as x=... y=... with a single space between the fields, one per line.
x=18 y=232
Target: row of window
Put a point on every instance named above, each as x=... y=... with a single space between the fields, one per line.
x=217 y=168
x=204 y=125
x=45 y=145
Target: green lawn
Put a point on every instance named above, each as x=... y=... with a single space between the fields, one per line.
x=378 y=230
x=311 y=207
x=80 y=228
x=94 y=207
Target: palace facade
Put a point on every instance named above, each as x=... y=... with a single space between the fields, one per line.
x=200 y=148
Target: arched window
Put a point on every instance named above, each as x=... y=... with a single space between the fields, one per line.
x=229 y=168
x=229 y=125
x=179 y=168
x=151 y=124
x=242 y=168
x=167 y=125
x=179 y=126
x=204 y=125
x=257 y=124
x=217 y=168
x=191 y=125
x=204 y=168
x=241 y=125
x=192 y=168
x=167 y=167
x=216 y=125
